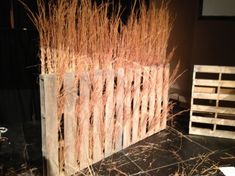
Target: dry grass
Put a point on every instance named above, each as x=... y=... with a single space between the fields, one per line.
x=82 y=36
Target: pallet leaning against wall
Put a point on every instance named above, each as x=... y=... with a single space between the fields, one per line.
x=213 y=101
x=104 y=112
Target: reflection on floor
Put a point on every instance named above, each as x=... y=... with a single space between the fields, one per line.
x=170 y=152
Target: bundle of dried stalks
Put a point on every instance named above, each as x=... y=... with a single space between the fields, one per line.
x=81 y=35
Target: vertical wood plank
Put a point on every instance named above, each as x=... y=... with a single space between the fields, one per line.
x=136 y=105
x=144 y=102
x=127 y=108
x=165 y=96
x=70 y=124
x=193 y=89
x=109 y=112
x=98 y=113
x=152 y=98
x=43 y=122
x=52 y=124
x=84 y=120
x=159 y=87
x=217 y=100
x=119 y=109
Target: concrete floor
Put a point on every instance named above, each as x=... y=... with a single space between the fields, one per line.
x=169 y=152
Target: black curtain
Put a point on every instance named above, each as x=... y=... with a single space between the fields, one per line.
x=19 y=96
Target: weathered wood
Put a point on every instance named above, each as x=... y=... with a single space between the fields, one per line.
x=159 y=89
x=70 y=124
x=213 y=109
x=127 y=108
x=136 y=105
x=119 y=109
x=230 y=91
x=84 y=121
x=109 y=112
x=191 y=102
x=216 y=83
x=114 y=112
x=227 y=97
x=209 y=120
x=208 y=132
x=43 y=123
x=144 y=102
x=152 y=98
x=98 y=114
x=204 y=89
x=222 y=90
x=52 y=124
x=214 y=69
x=165 y=96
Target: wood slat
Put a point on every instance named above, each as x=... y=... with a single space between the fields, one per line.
x=208 y=96
x=144 y=102
x=97 y=116
x=222 y=110
x=43 y=122
x=204 y=89
x=209 y=120
x=52 y=124
x=191 y=101
x=136 y=105
x=127 y=108
x=225 y=97
x=119 y=109
x=227 y=91
x=152 y=96
x=70 y=124
x=84 y=120
x=158 y=108
x=214 y=69
x=216 y=83
x=165 y=96
x=208 y=132
x=109 y=112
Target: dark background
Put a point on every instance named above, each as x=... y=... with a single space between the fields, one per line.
x=19 y=96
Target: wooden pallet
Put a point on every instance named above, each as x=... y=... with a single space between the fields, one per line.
x=213 y=101
x=109 y=111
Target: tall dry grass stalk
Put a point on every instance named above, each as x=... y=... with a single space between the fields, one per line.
x=81 y=35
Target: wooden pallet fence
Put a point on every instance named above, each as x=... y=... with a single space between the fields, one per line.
x=105 y=111
x=49 y=124
x=213 y=101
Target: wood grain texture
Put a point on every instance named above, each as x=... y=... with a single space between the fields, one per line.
x=127 y=108
x=70 y=124
x=218 y=90
x=152 y=98
x=98 y=114
x=52 y=124
x=109 y=112
x=136 y=105
x=144 y=102
x=84 y=120
x=119 y=109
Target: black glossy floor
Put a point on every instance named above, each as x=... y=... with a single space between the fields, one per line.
x=170 y=152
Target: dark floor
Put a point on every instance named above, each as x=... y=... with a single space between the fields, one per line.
x=170 y=152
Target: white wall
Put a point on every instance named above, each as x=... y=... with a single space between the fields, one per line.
x=218 y=8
